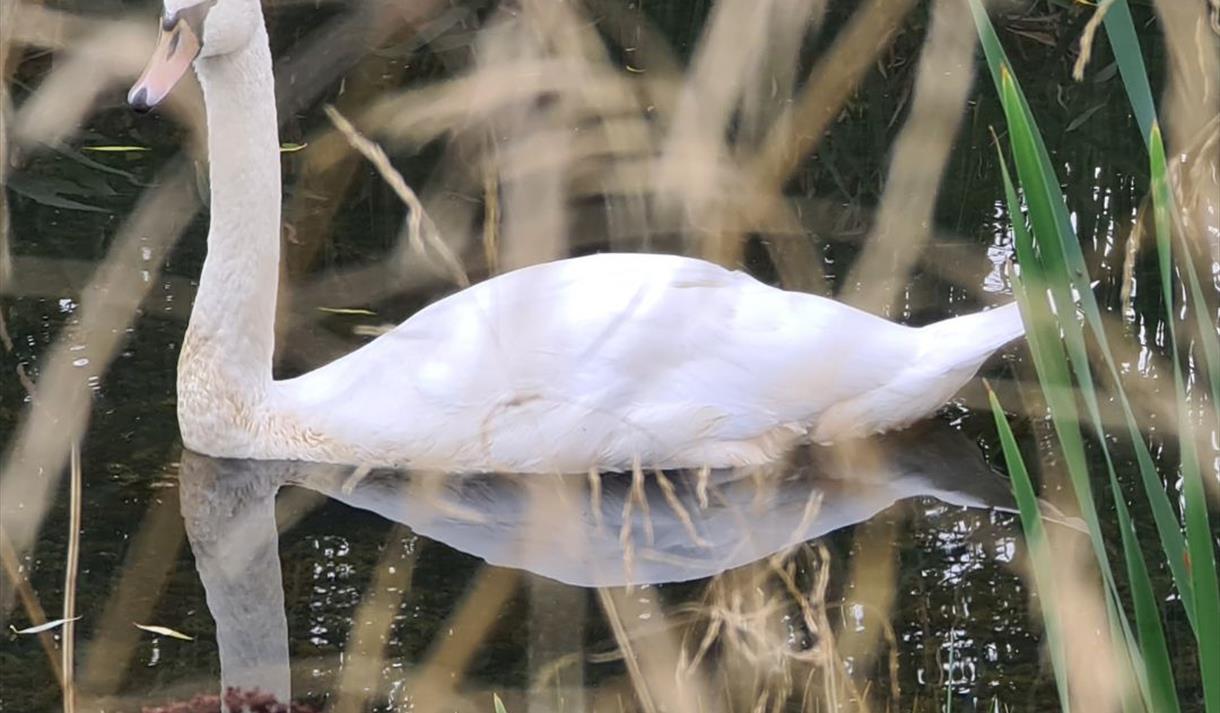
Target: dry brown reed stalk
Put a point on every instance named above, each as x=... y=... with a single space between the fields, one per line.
x=5 y=339
x=420 y=229
x=1194 y=71
x=679 y=510
x=138 y=586
x=557 y=612
x=873 y=587
x=533 y=203
x=1098 y=679
x=595 y=495
x=799 y=129
x=639 y=495
x=627 y=650
x=433 y=682
x=942 y=87
x=37 y=25
x=653 y=654
x=68 y=651
x=734 y=56
x=100 y=55
x=746 y=635
x=7 y=10
x=1086 y=39
x=626 y=538
x=557 y=617
x=365 y=653
x=430 y=486
x=331 y=163
x=17 y=583
x=39 y=449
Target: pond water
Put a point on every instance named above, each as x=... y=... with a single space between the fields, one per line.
x=405 y=590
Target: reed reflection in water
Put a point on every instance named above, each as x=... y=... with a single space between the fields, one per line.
x=610 y=531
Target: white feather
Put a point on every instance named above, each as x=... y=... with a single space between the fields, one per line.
x=598 y=361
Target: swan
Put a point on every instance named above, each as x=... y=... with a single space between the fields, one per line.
x=604 y=362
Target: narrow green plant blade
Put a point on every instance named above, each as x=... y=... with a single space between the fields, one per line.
x=1067 y=278
x=1053 y=368
x=1049 y=361
x=1039 y=552
x=1209 y=341
x=1154 y=653
x=1198 y=530
x=1120 y=30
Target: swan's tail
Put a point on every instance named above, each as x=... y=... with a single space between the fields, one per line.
x=965 y=342
x=944 y=357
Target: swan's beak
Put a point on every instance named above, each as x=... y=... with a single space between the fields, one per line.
x=177 y=47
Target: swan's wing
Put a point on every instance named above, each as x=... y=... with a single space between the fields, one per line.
x=596 y=361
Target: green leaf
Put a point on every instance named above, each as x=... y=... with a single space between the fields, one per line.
x=1068 y=280
x=1039 y=552
x=499 y=704
x=1084 y=116
x=1120 y=29
x=1198 y=530
x=50 y=192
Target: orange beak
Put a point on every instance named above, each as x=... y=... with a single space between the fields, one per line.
x=177 y=47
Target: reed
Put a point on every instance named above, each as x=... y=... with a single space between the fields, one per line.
x=1055 y=291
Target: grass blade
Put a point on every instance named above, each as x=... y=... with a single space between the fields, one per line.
x=1067 y=277
x=1048 y=360
x=1198 y=530
x=1120 y=29
x=1039 y=552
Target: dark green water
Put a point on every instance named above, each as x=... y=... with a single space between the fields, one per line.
x=967 y=638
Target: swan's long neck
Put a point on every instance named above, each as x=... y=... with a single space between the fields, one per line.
x=232 y=327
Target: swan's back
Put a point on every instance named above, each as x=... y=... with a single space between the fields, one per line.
x=602 y=360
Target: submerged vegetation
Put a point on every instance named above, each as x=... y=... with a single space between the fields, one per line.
x=837 y=147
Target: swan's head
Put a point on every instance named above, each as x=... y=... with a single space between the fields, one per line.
x=193 y=29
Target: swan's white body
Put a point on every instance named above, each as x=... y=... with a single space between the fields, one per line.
x=594 y=362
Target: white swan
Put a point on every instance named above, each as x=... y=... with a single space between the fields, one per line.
x=594 y=362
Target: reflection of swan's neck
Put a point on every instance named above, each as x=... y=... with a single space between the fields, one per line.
x=231 y=333
x=229 y=511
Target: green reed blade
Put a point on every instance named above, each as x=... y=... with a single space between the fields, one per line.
x=1158 y=666
x=1198 y=530
x=1067 y=274
x=1048 y=360
x=1120 y=29
x=1154 y=653
x=1039 y=552
x=1208 y=338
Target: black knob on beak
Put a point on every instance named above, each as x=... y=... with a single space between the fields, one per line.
x=139 y=102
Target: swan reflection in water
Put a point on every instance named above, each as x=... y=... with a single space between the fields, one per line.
x=595 y=531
